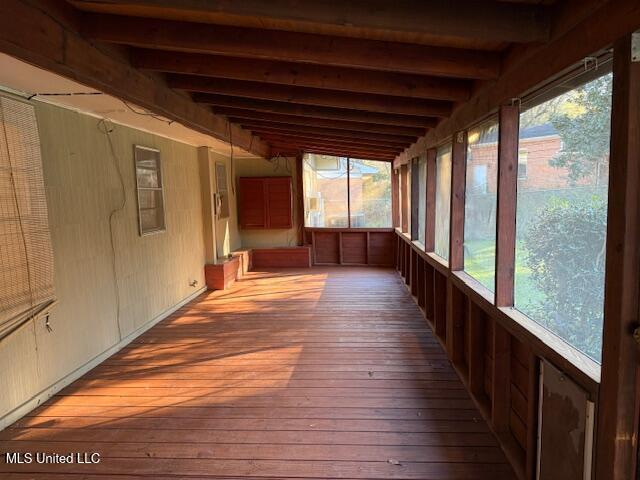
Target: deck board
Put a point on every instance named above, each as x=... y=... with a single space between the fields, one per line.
x=317 y=373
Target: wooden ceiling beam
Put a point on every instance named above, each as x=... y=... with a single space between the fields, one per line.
x=304 y=75
x=339 y=152
x=337 y=140
x=292 y=47
x=327 y=143
x=239 y=115
x=312 y=96
x=332 y=132
x=502 y=22
x=341 y=114
x=47 y=37
x=278 y=136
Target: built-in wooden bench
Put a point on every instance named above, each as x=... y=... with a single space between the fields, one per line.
x=222 y=274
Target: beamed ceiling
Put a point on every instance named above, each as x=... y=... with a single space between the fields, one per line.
x=360 y=78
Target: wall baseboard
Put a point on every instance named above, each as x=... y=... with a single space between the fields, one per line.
x=41 y=397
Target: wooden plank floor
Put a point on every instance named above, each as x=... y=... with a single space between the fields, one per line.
x=320 y=373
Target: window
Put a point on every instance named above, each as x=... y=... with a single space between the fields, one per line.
x=562 y=214
x=26 y=257
x=523 y=155
x=342 y=192
x=325 y=191
x=415 y=199
x=480 y=203
x=222 y=193
x=443 y=201
x=149 y=185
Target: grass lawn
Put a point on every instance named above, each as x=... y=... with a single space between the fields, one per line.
x=479 y=262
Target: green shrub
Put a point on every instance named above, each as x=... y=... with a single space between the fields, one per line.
x=565 y=246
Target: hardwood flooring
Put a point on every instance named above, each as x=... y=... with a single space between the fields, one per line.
x=316 y=373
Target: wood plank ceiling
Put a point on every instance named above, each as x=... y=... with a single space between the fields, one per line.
x=362 y=78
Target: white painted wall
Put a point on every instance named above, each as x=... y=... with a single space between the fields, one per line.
x=153 y=272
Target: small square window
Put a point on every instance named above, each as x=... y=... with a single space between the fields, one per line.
x=149 y=188
x=522 y=164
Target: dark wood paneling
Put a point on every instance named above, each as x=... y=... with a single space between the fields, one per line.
x=501 y=384
x=414 y=273
x=375 y=247
x=456 y=313
x=440 y=303
x=354 y=247
x=326 y=247
x=429 y=290
x=381 y=248
x=477 y=348
x=420 y=282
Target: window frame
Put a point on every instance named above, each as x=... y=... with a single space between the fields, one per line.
x=447 y=143
x=544 y=342
x=493 y=116
x=141 y=231
x=348 y=171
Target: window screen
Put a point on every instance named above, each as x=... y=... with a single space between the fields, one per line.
x=26 y=257
x=443 y=200
x=481 y=203
x=149 y=184
x=341 y=192
x=561 y=218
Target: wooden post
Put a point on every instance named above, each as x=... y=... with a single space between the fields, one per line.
x=300 y=199
x=617 y=436
x=506 y=210
x=430 y=221
x=404 y=199
x=395 y=198
x=458 y=176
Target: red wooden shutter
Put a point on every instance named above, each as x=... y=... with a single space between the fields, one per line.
x=253 y=211
x=279 y=211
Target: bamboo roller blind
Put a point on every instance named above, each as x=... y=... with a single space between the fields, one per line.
x=26 y=257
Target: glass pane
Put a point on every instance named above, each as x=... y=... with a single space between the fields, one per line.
x=370 y=193
x=151 y=210
x=148 y=168
x=443 y=201
x=562 y=213
x=422 y=198
x=325 y=191
x=480 y=203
